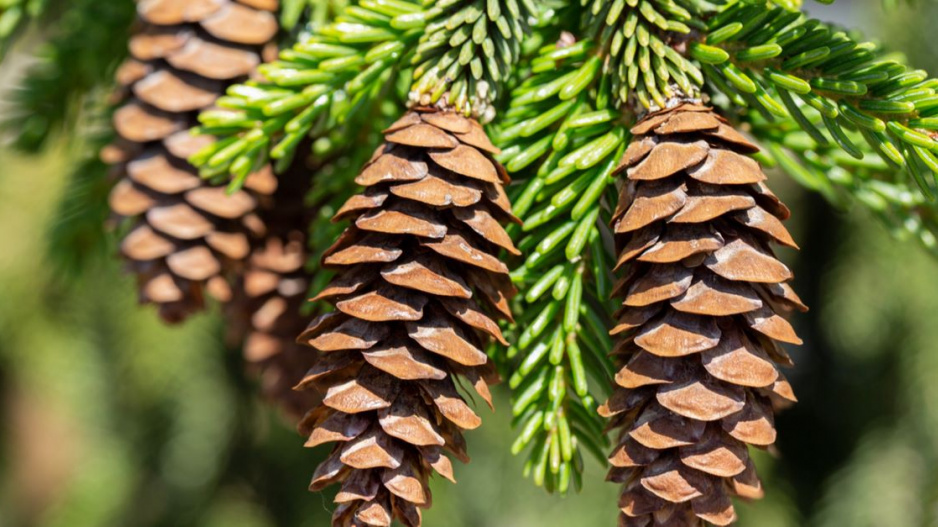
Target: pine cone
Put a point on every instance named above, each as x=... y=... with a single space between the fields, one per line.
x=266 y=311
x=185 y=232
x=701 y=322
x=265 y=315
x=417 y=269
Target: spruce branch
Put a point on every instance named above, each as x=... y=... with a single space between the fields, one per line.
x=316 y=13
x=844 y=180
x=785 y=65
x=318 y=88
x=468 y=50
x=561 y=138
x=640 y=39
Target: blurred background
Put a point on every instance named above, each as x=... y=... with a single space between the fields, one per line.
x=111 y=419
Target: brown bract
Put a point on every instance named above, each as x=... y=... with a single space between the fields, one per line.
x=418 y=289
x=702 y=316
x=186 y=236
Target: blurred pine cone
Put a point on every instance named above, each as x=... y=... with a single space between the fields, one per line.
x=417 y=273
x=266 y=311
x=185 y=233
x=265 y=315
x=701 y=322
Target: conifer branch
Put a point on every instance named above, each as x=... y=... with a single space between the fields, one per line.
x=468 y=50
x=784 y=65
x=317 y=13
x=76 y=62
x=640 y=40
x=564 y=132
x=324 y=82
x=562 y=137
x=844 y=180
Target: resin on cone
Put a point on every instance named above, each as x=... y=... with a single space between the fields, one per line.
x=418 y=289
x=184 y=232
x=702 y=320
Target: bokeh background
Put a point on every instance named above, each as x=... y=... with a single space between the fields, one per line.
x=111 y=419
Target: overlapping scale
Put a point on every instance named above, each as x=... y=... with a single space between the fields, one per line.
x=702 y=316
x=185 y=234
x=417 y=293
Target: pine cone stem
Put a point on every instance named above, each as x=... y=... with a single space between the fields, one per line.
x=701 y=322
x=417 y=272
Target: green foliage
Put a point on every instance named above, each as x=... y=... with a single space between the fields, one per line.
x=844 y=180
x=315 y=13
x=639 y=38
x=787 y=66
x=562 y=139
x=77 y=234
x=468 y=50
x=319 y=88
x=14 y=14
x=77 y=61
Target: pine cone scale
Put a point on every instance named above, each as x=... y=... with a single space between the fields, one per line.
x=700 y=322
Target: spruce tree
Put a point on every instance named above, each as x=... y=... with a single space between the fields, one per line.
x=570 y=196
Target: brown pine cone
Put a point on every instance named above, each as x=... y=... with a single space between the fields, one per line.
x=266 y=313
x=417 y=272
x=700 y=326
x=184 y=231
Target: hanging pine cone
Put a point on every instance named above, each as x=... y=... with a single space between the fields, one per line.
x=417 y=273
x=185 y=232
x=267 y=303
x=266 y=314
x=701 y=322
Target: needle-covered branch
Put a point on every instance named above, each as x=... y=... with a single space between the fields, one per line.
x=327 y=80
x=641 y=39
x=561 y=139
x=843 y=180
x=469 y=50
x=785 y=65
